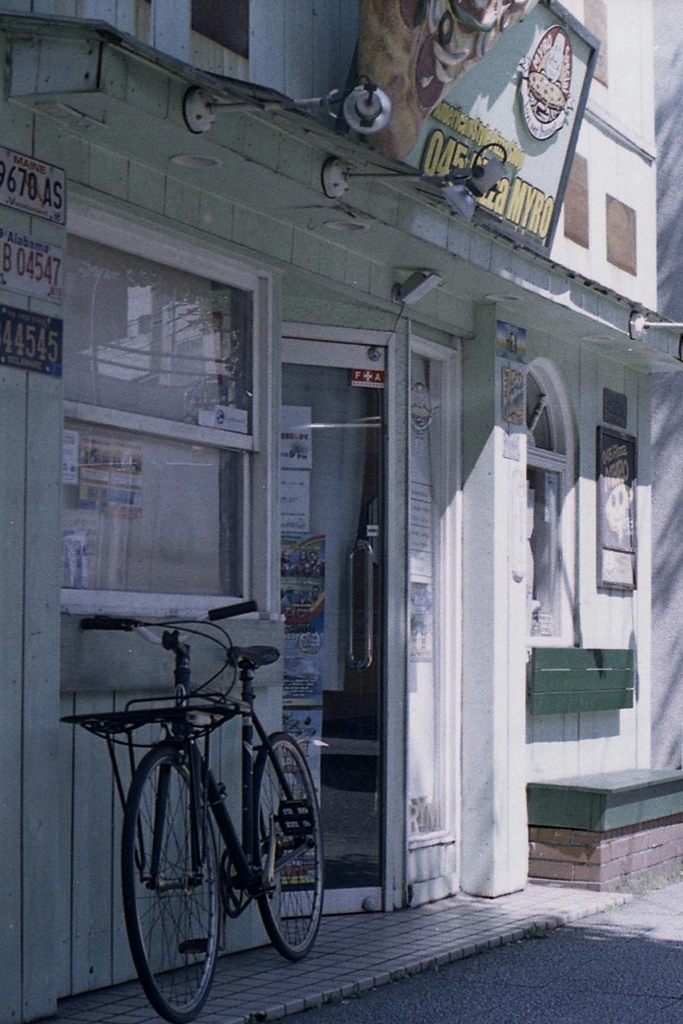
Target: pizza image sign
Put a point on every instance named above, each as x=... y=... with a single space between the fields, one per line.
x=545 y=84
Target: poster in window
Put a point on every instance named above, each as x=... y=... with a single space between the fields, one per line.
x=616 y=511
x=305 y=724
x=421 y=639
x=110 y=476
x=302 y=602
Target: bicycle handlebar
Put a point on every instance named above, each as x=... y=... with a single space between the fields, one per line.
x=228 y=611
x=109 y=622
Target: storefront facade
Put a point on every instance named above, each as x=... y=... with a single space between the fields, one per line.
x=226 y=402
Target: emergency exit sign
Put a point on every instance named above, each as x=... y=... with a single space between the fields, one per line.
x=364 y=378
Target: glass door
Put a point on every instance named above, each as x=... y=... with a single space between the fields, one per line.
x=332 y=454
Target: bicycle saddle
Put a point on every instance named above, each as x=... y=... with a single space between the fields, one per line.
x=256 y=656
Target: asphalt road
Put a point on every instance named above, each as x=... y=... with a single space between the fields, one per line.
x=623 y=967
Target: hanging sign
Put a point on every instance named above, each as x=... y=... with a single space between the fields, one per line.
x=30 y=266
x=32 y=186
x=521 y=101
x=545 y=84
x=30 y=341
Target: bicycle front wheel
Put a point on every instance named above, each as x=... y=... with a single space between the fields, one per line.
x=170 y=892
x=288 y=847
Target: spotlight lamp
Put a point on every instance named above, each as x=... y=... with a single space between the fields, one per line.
x=460 y=191
x=639 y=325
x=366 y=108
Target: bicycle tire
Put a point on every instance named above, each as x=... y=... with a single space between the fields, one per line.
x=172 y=920
x=292 y=907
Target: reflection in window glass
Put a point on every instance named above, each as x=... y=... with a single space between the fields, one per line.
x=543 y=553
x=152 y=340
x=148 y=514
x=143 y=511
x=425 y=698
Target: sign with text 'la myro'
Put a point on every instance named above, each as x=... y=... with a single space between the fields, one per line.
x=471 y=80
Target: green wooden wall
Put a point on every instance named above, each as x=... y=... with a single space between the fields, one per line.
x=58 y=843
x=30 y=571
x=92 y=949
x=30 y=453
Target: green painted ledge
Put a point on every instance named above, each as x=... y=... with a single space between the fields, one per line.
x=599 y=803
x=563 y=680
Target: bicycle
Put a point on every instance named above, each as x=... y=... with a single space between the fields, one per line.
x=172 y=880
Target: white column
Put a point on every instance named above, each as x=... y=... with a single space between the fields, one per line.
x=494 y=820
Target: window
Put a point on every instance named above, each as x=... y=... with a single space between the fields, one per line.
x=224 y=21
x=549 y=574
x=576 y=203
x=158 y=401
x=595 y=16
x=621 y=235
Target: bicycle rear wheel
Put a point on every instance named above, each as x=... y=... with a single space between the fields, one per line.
x=170 y=902
x=290 y=830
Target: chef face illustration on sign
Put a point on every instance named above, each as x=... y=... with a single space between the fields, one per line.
x=544 y=85
x=618 y=512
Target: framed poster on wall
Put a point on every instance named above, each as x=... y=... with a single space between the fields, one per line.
x=616 y=509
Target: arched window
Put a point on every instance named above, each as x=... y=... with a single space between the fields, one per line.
x=550 y=561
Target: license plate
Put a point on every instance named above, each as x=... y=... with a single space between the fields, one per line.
x=31 y=266
x=30 y=341
x=32 y=186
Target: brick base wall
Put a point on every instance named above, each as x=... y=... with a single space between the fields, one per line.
x=601 y=860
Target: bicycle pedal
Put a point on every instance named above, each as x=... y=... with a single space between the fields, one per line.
x=193 y=947
x=294 y=817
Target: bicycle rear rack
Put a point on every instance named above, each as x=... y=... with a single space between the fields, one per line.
x=195 y=718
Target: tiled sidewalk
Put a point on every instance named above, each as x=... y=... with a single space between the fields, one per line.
x=354 y=953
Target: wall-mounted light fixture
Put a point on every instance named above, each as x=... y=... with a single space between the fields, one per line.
x=639 y=325
x=460 y=191
x=414 y=288
x=366 y=108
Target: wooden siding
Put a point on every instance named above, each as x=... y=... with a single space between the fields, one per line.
x=585 y=743
x=302 y=48
x=29 y=780
x=343 y=286
x=93 y=950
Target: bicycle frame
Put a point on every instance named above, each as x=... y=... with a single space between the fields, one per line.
x=242 y=852
x=172 y=880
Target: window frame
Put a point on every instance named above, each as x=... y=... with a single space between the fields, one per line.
x=447 y=625
x=561 y=462
x=148 y=243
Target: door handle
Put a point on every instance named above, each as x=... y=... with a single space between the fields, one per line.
x=361 y=548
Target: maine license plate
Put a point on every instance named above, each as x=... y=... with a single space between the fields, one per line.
x=32 y=186
x=31 y=266
x=30 y=341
